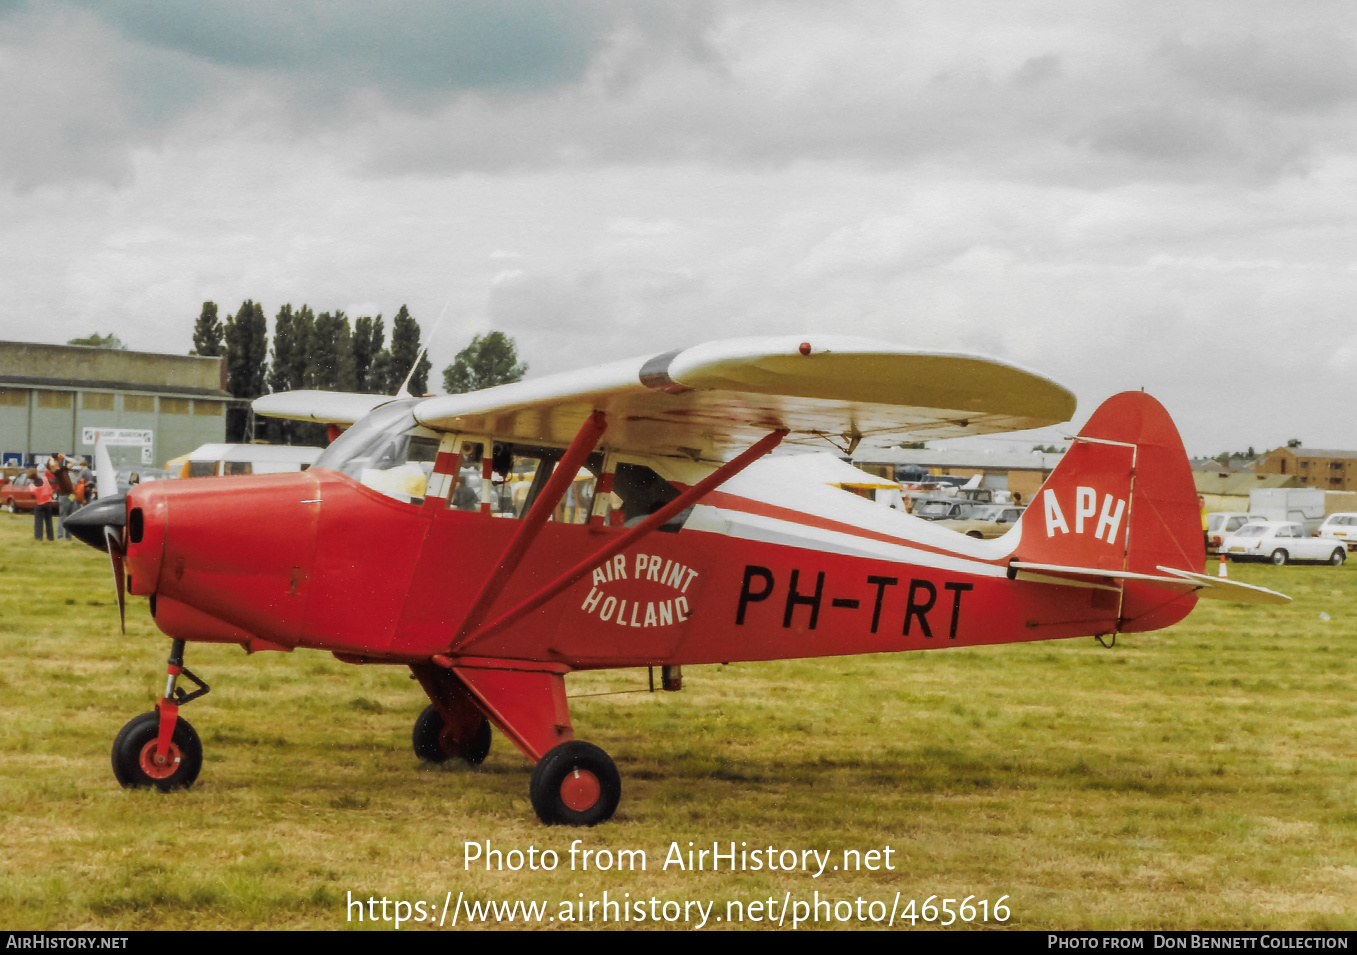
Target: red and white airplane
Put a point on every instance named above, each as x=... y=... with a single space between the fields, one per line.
x=692 y=550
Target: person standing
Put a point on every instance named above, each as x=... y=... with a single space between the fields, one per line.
x=59 y=476
x=42 y=503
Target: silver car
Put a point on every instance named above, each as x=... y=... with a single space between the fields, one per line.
x=1281 y=543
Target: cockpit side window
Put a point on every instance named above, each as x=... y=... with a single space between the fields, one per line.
x=387 y=451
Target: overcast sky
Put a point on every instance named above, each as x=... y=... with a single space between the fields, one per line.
x=1117 y=195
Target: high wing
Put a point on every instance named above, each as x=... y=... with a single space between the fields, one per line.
x=326 y=407
x=706 y=401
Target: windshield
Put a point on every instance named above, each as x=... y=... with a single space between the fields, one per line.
x=388 y=451
x=1253 y=530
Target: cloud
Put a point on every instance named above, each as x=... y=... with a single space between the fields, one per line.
x=417 y=47
x=1029 y=91
x=1289 y=70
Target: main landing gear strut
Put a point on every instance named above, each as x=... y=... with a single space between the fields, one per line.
x=573 y=784
x=160 y=748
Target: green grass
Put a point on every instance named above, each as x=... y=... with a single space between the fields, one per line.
x=1197 y=777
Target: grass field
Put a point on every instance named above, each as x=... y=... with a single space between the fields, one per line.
x=1198 y=777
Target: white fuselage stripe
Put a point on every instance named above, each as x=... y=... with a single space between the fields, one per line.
x=771 y=530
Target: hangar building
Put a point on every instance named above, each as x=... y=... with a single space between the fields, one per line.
x=148 y=407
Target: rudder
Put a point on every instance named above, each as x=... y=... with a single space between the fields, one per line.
x=1121 y=499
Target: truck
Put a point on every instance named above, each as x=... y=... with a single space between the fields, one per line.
x=1301 y=505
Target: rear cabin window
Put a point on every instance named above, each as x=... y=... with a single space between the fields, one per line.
x=520 y=474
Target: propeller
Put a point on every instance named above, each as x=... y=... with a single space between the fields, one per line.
x=113 y=540
x=102 y=524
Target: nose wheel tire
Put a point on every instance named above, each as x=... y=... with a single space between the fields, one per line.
x=134 y=755
x=1279 y=557
x=575 y=784
x=433 y=744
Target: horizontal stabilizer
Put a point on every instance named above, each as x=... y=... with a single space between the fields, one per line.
x=1091 y=576
x=1220 y=588
x=1171 y=578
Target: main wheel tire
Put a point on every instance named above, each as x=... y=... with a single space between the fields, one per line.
x=1279 y=557
x=976 y=534
x=429 y=743
x=575 y=784
x=134 y=762
x=1338 y=556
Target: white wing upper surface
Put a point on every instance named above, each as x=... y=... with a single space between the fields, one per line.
x=706 y=401
x=326 y=407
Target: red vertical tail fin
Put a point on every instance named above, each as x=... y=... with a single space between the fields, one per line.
x=1122 y=498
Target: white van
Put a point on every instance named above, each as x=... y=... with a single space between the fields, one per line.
x=216 y=460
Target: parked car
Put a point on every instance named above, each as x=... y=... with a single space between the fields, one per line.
x=1220 y=524
x=1340 y=527
x=17 y=495
x=1281 y=542
x=943 y=509
x=991 y=520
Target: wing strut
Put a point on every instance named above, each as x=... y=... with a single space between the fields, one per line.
x=684 y=500
x=575 y=456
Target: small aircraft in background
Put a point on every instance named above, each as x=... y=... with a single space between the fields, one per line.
x=693 y=549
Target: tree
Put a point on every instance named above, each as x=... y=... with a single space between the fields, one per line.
x=283 y=368
x=331 y=353
x=368 y=337
x=208 y=333
x=1293 y=443
x=486 y=362
x=247 y=349
x=382 y=377
x=99 y=341
x=287 y=370
x=405 y=348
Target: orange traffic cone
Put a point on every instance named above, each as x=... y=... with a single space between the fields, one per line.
x=1222 y=572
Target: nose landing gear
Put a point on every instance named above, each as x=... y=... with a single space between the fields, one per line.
x=160 y=748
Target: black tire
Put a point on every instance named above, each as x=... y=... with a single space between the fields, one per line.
x=1279 y=558
x=428 y=739
x=574 y=762
x=1338 y=556
x=976 y=534
x=9 y=506
x=139 y=734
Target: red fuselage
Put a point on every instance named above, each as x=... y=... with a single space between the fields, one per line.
x=318 y=560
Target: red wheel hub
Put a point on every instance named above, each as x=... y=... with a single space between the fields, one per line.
x=580 y=790
x=159 y=770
